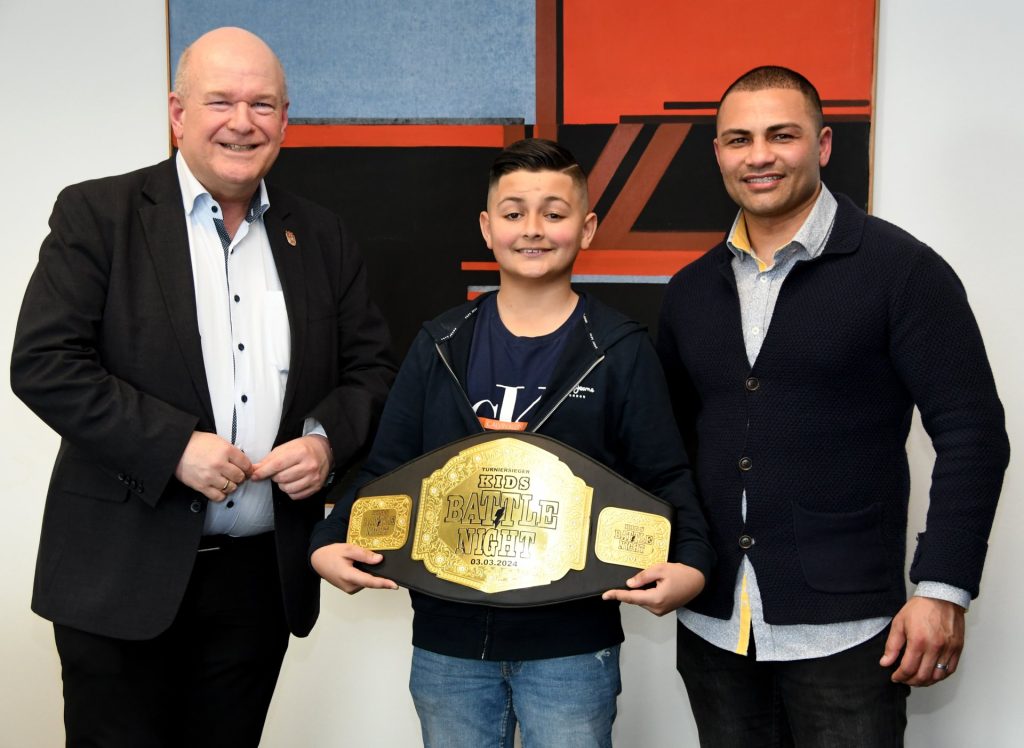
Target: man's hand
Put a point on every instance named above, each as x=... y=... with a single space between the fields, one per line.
x=212 y=466
x=299 y=467
x=335 y=564
x=931 y=632
x=674 y=586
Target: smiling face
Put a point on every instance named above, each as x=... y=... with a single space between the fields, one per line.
x=770 y=152
x=230 y=112
x=536 y=222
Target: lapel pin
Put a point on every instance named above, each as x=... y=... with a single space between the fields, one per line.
x=290 y=237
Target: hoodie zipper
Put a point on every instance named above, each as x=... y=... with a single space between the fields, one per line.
x=566 y=394
x=455 y=379
x=570 y=390
x=487 y=634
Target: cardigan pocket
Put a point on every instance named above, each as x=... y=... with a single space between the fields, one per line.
x=842 y=551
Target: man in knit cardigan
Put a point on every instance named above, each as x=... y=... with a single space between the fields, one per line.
x=796 y=351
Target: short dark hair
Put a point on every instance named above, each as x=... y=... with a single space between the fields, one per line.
x=538 y=154
x=775 y=76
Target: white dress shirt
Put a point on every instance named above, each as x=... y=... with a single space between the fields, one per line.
x=246 y=343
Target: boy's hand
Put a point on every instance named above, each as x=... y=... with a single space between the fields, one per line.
x=674 y=585
x=335 y=563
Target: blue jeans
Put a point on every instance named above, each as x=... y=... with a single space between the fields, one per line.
x=845 y=700
x=559 y=702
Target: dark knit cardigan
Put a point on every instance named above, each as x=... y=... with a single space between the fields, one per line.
x=816 y=430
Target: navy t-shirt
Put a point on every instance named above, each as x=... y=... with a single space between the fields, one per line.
x=508 y=374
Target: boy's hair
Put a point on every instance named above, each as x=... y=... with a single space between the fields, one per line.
x=537 y=154
x=775 y=76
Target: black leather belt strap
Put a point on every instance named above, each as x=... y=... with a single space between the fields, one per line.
x=498 y=510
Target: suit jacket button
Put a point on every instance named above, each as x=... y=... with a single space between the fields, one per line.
x=746 y=463
x=121 y=477
x=196 y=506
x=752 y=384
x=746 y=542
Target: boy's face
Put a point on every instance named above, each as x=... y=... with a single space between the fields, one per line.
x=536 y=223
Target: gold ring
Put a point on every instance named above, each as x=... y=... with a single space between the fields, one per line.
x=227 y=483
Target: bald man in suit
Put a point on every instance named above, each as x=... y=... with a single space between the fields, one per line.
x=206 y=348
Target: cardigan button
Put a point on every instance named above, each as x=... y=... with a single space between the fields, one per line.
x=746 y=463
x=196 y=506
x=752 y=384
x=746 y=542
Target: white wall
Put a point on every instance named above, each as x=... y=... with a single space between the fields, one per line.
x=81 y=91
x=80 y=87
x=947 y=166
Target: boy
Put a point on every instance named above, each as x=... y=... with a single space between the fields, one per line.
x=535 y=356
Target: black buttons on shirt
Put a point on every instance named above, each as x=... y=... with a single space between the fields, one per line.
x=245 y=398
x=746 y=542
x=231 y=504
x=238 y=298
x=241 y=346
x=746 y=463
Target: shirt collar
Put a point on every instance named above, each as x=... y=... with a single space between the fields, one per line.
x=193 y=192
x=811 y=237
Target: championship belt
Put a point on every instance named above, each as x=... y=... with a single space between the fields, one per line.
x=509 y=519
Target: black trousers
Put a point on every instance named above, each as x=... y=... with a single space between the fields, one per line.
x=845 y=700
x=206 y=681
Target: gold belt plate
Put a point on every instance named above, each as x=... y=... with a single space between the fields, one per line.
x=631 y=538
x=503 y=515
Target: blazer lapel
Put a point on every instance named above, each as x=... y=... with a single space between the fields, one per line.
x=167 y=238
x=286 y=245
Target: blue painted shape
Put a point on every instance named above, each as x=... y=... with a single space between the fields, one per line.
x=387 y=59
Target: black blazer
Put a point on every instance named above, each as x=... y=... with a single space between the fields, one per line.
x=107 y=352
